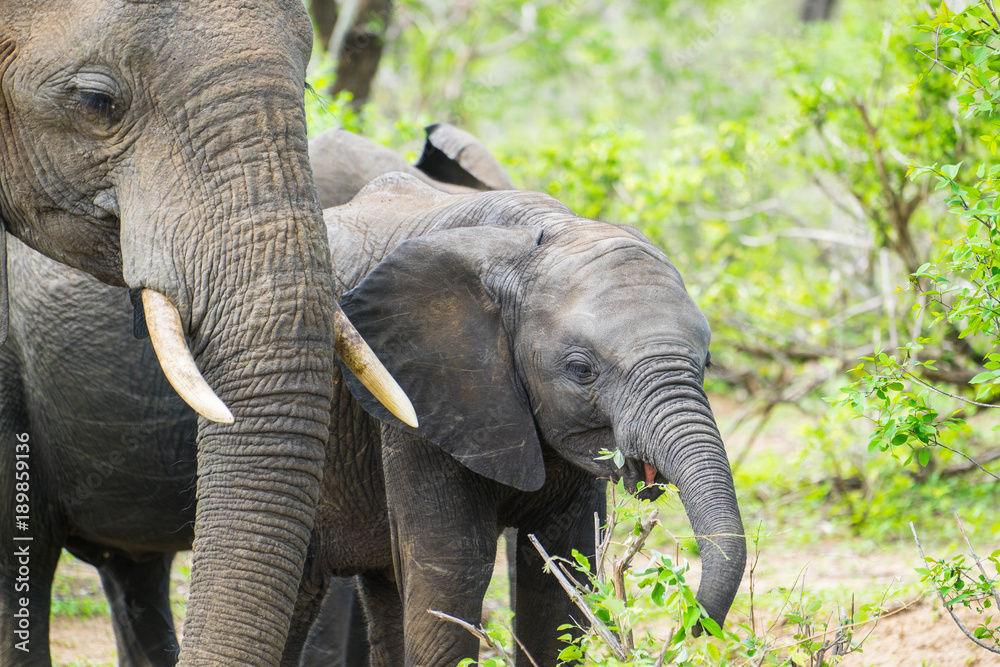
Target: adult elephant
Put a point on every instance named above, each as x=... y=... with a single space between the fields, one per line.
x=571 y=337
x=161 y=146
x=113 y=446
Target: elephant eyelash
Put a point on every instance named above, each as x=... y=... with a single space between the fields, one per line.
x=96 y=98
x=581 y=371
x=717 y=370
x=98 y=103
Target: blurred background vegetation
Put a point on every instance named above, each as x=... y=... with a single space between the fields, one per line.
x=766 y=147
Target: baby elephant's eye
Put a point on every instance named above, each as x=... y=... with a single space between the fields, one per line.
x=581 y=371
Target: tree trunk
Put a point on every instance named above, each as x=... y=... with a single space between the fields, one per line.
x=817 y=10
x=361 y=50
x=324 y=14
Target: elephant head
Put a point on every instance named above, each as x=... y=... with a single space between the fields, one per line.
x=161 y=145
x=554 y=331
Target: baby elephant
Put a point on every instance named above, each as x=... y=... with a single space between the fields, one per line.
x=529 y=340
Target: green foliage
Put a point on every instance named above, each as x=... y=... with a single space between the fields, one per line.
x=77 y=596
x=645 y=613
x=958 y=293
x=323 y=113
x=960 y=583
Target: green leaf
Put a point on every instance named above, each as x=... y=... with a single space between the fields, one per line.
x=712 y=627
x=619 y=459
x=951 y=170
x=714 y=654
x=570 y=653
x=982 y=377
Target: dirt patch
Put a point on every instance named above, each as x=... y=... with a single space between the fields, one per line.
x=922 y=636
x=83 y=641
x=81 y=634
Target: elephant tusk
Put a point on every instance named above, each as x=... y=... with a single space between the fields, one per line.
x=167 y=336
x=360 y=358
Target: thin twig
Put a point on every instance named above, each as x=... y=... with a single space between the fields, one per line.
x=523 y=649
x=986 y=457
x=961 y=626
x=479 y=632
x=598 y=556
x=753 y=570
x=621 y=564
x=574 y=593
x=944 y=393
x=971 y=460
x=817 y=635
x=635 y=542
x=979 y=563
x=663 y=654
x=967 y=79
x=989 y=3
x=605 y=543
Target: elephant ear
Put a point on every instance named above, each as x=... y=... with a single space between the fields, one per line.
x=4 y=304
x=6 y=53
x=455 y=156
x=430 y=313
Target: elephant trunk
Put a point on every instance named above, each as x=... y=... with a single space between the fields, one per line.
x=246 y=264
x=678 y=436
x=268 y=354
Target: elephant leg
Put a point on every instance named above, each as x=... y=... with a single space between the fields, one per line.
x=339 y=636
x=139 y=595
x=443 y=519
x=26 y=572
x=379 y=596
x=311 y=596
x=30 y=546
x=540 y=605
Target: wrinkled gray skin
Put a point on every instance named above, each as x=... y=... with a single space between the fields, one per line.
x=112 y=445
x=162 y=145
x=572 y=337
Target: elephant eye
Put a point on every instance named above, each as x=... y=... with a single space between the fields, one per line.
x=97 y=98
x=581 y=371
x=97 y=107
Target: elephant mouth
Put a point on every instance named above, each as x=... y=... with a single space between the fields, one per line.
x=636 y=471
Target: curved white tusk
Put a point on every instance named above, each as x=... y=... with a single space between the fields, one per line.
x=167 y=336
x=360 y=358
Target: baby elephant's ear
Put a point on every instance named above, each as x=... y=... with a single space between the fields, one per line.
x=430 y=315
x=454 y=156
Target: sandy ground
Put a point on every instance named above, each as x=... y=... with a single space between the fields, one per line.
x=919 y=635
